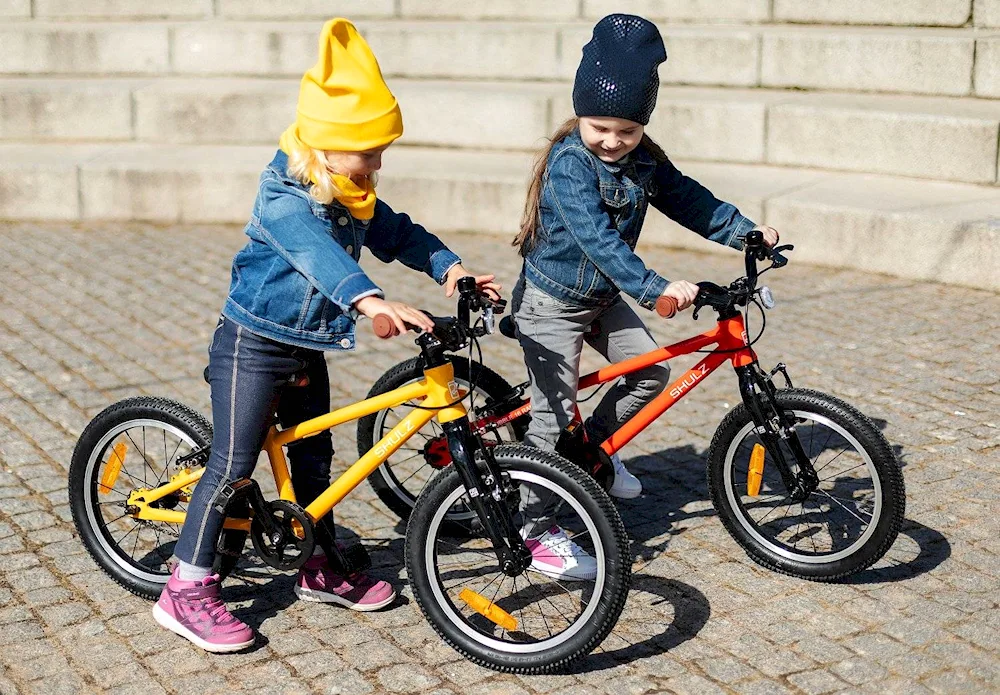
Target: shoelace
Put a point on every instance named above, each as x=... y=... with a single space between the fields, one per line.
x=217 y=609
x=563 y=546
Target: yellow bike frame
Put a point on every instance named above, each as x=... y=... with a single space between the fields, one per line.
x=440 y=396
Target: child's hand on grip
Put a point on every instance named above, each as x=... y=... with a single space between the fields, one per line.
x=484 y=282
x=399 y=313
x=683 y=292
x=770 y=235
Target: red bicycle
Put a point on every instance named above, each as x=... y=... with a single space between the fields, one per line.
x=803 y=481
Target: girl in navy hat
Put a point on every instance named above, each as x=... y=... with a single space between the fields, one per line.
x=586 y=203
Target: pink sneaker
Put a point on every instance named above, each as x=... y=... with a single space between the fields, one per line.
x=359 y=592
x=195 y=611
x=555 y=555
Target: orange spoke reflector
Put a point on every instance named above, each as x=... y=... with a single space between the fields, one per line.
x=113 y=468
x=491 y=611
x=756 y=473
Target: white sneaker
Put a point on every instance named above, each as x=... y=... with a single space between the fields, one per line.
x=626 y=485
x=555 y=555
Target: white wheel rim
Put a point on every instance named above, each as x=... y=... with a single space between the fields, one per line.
x=751 y=527
x=98 y=525
x=445 y=604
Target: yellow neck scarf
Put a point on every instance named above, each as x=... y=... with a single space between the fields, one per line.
x=360 y=202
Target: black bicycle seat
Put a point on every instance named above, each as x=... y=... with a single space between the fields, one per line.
x=507 y=327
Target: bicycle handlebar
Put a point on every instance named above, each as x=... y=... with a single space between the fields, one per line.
x=452 y=329
x=725 y=299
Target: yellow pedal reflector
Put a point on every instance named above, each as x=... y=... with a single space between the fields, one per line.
x=488 y=610
x=756 y=472
x=113 y=468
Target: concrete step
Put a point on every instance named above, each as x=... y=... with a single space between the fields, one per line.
x=919 y=229
x=942 y=138
x=947 y=13
x=907 y=60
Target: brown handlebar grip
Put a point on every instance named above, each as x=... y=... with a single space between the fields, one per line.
x=666 y=307
x=384 y=326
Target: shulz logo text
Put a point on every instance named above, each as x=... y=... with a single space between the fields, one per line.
x=689 y=380
x=384 y=447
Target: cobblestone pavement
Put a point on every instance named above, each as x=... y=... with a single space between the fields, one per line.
x=93 y=314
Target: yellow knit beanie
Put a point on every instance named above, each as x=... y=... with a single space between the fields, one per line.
x=344 y=104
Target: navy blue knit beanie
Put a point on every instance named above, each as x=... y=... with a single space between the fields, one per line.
x=617 y=76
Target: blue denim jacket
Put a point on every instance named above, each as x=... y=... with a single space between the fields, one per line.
x=591 y=216
x=297 y=277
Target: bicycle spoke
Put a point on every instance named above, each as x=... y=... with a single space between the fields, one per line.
x=831 y=460
x=760 y=521
x=419 y=468
x=860 y=465
x=540 y=613
x=569 y=593
x=134 y=527
x=844 y=507
x=174 y=452
x=144 y=460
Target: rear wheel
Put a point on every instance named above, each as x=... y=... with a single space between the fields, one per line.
x=130 y=445
x=845 y=525
x=399 y=480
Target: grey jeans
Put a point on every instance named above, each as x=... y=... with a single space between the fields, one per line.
x=552 y=333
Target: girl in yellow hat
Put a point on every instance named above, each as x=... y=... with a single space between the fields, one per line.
x=296 y=291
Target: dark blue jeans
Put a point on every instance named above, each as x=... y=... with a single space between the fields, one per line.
x=249 y=376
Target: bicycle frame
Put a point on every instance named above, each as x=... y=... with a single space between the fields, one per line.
x=441 y=398
x=730 y=336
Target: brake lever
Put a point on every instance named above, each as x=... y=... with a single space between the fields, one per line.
x=777 y=260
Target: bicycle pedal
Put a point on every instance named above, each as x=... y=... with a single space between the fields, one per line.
x=235 y=494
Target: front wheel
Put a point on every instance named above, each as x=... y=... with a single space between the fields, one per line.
x=135 y=444
x=844 y=525
x=546 y=617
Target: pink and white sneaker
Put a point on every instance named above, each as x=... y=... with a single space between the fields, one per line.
x=359 y=592
x=555 y=555
x=195 y=611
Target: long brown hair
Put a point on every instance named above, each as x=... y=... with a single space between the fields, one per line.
x=531 y=218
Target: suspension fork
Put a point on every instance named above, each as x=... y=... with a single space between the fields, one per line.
x=773 y=427
x=489 y=497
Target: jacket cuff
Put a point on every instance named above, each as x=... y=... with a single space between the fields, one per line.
x=653 y=290
x=440 y=263
x=740 y=229
x=353 y=312
x=352 y=288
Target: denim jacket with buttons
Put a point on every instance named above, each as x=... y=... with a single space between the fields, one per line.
x=591 y=213
x=297 y=277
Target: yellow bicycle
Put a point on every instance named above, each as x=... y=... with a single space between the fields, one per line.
x=475 y=579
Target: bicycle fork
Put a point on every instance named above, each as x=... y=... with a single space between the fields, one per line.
x=772 y=427
x=491 y=495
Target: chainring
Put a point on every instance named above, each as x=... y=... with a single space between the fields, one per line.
x=293 y=540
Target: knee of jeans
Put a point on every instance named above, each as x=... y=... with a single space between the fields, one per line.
x=653 y=380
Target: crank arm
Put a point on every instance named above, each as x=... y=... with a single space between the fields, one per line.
x=230 y=493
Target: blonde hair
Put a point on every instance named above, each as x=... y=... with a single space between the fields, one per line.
x=309 y=167
x=531 y=219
